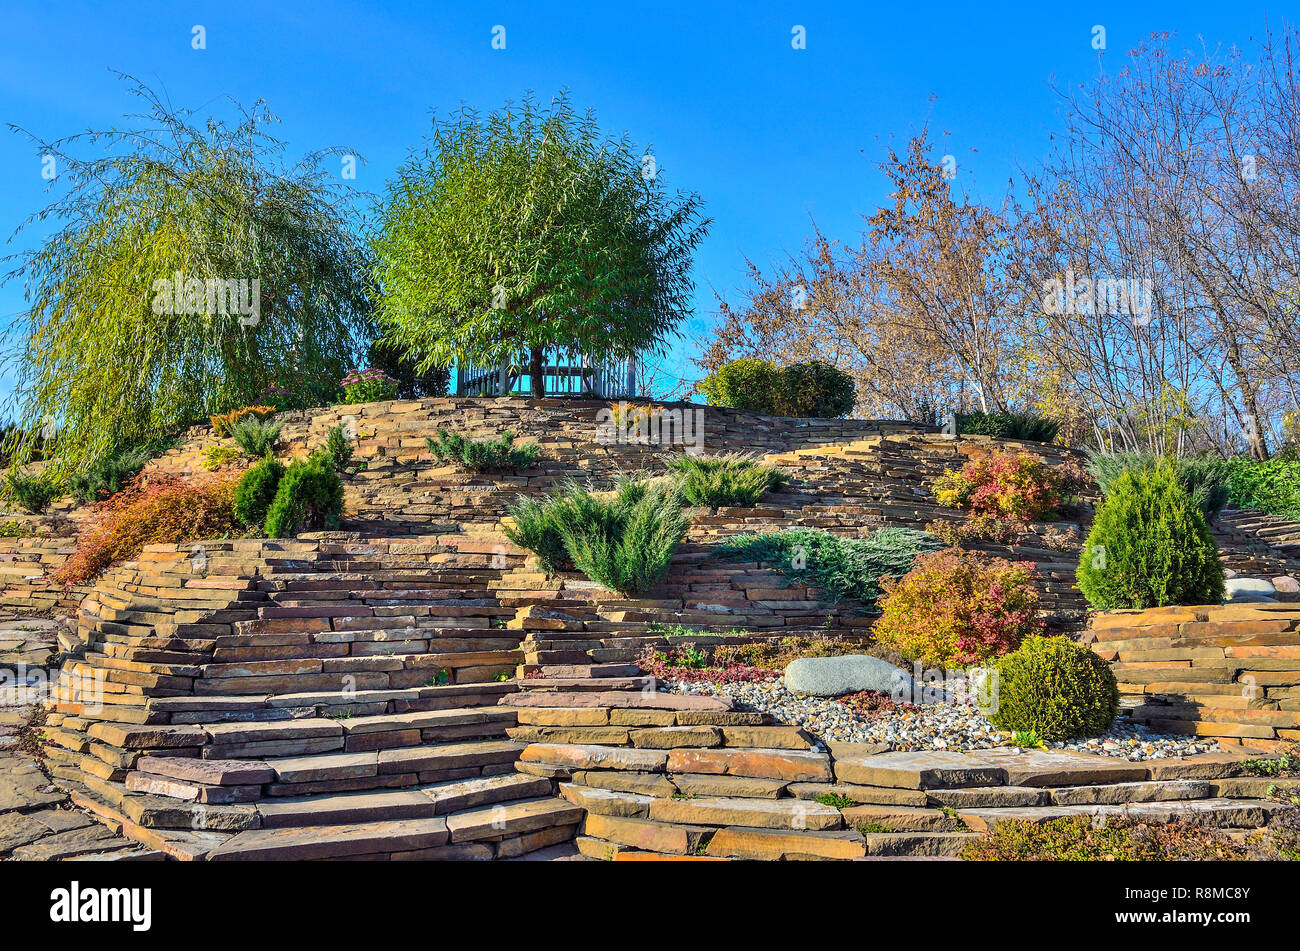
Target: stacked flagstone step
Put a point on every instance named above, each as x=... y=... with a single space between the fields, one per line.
x=1273 y=533
x=1230 y=671
x=33 y=609
x=327 y=697
x=674 y=776
x=1259 y=545
x=27 y=559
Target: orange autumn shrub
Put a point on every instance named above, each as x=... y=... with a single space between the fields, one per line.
x=957 y=608
x=150 y=511
x=224 y=423
x=1010 y=485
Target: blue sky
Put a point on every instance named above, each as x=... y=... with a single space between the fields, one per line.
x=767 y=134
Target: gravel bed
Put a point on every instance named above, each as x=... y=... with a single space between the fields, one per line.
x=932 y=726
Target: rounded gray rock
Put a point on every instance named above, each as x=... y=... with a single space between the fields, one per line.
x=836 y=676
x=1249 y=589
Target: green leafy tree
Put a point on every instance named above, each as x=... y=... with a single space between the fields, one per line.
x=528 y=232
x=189 y=268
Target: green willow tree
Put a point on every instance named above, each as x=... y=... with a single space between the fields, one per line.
x=528 y=233
x=188 y=268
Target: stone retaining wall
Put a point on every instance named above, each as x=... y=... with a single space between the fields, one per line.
x=1231 y=672
x=400 y=488
x=27 y=560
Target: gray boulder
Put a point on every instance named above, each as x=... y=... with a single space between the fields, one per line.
x=1249 y=589
x=836 y=676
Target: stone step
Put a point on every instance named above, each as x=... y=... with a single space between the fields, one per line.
x=505 y=820
x=352 y=840
x=1222 y=812
x=918 y=844
x=347 y=772
x=594 y=684
x=793 y=814
x=617 y=700
x=742 y=842
x=551 y=672
x=419 y=802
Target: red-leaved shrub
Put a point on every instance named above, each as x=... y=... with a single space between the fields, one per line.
x=690 y=665
x=151 y=510
x=957 y=608
x=1015 y=485
x=870 y=703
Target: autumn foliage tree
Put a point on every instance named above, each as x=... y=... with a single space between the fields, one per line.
x=922 y=311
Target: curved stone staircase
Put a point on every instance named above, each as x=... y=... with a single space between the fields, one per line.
x=303 y=699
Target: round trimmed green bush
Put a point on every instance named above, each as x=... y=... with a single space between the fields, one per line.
x=815 y=389
x=308 y=499
x=1056 y=688
x=1149 y=546
x=744 y=384
x=256 y=491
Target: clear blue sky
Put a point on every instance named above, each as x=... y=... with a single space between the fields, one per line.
x=767 y=134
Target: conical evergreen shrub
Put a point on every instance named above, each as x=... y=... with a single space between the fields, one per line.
x=1149 y=546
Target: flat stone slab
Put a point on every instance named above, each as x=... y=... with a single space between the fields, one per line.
x=491 y=823
x=748 y=787
x=927 y=844
x=159 y=812
x=1061 y=767
x=346 y=808
x=900 y=819
x=177 y=789
x=750 y=843
x=644 y=833
x=1115 y=793
x=791 y=765
x=793 y=814
x=208 y=772
x=24 y=786
x=1223 y=812
x=577 y=756
x=620 y=699
x=468 y=793
x=1214 y=765
x=324 y=842
x=326 y=766
x=607 y=802
x=990 y=797
x=920 y=770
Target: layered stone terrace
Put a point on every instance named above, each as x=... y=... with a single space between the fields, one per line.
x=350 y=695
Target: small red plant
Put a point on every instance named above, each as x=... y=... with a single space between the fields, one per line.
x=1010 y=485
x=151 y=510
x=692 y=667
x=957 y=608
x=870 y=703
